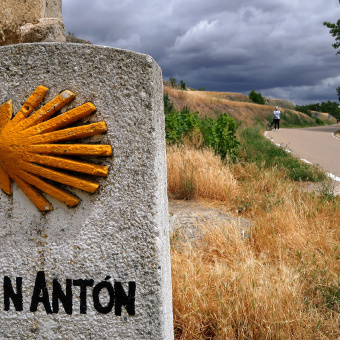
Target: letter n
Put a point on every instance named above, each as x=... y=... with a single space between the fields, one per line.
x=121 y=299
x=9 y=294
x=58 y=294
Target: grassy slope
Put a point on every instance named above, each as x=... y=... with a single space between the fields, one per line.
x=236 y=105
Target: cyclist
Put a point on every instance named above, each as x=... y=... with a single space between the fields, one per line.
x=277 y=118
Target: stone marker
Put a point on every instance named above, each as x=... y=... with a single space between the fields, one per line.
x=86 y=255
x=24 y=21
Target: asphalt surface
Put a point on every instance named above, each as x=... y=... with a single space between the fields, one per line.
x=317 y=145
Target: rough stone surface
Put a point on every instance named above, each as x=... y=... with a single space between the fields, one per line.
x=17 y=13
x=122 y=230
x=45 y=29
x=52 y=9
x=186 y=217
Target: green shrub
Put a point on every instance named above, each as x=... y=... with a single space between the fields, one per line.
x=319 y=121
x=256 y=97
x=218 y=134
x=304 y=109
x=182 y=85
x=178 y=124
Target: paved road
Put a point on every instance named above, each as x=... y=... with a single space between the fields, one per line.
x=316 y=144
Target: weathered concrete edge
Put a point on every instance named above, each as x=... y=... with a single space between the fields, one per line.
x=168 y=329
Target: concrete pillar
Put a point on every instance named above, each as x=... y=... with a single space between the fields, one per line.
x=101 y=269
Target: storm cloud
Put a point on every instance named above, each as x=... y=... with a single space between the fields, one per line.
x=279 y=48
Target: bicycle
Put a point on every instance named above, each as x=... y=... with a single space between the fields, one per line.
x=270 y=125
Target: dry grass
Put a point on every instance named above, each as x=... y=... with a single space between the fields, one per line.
x=268 y=286
x=194 y=174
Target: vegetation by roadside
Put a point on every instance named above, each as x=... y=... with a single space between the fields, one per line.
x=186 y=127
x=197 y=174
x=259 y=150
x=280 y=283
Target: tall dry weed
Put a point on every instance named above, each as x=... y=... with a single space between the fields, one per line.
x=198 y=174
x=273 y=285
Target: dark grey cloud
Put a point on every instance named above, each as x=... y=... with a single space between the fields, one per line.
x=279 y=48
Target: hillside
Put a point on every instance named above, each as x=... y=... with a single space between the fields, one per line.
x=236 y=105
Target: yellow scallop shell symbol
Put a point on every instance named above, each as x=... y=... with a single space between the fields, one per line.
x=32 y=149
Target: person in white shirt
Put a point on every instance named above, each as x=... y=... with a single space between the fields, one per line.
x=277 y=118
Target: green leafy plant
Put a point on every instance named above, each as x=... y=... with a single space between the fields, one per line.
x=182 y=85
x=218 y=134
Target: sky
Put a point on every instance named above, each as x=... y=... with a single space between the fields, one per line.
x=277 y=47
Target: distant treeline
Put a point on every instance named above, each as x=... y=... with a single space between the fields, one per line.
x=330 y=107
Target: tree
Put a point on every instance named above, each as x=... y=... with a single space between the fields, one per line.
x=182 y=85
x=256 y=97
x=173 y=82
x=335 y=32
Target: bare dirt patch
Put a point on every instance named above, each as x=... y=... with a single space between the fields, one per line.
x=187 y=216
